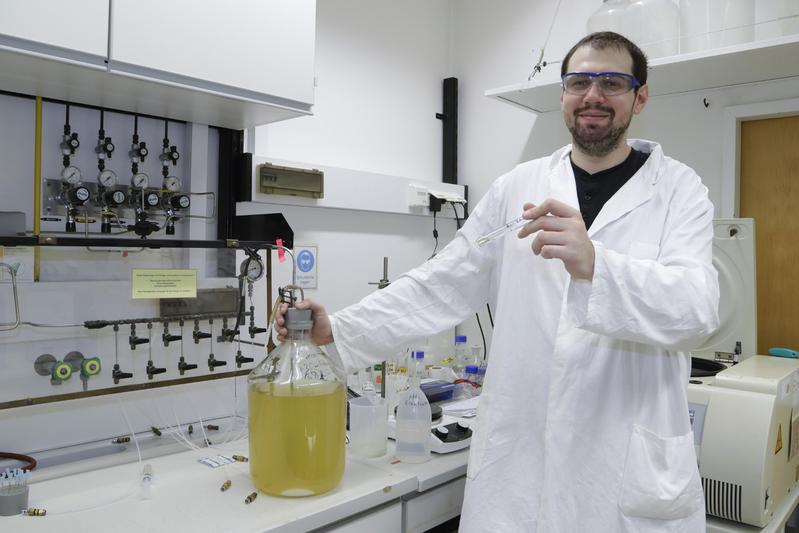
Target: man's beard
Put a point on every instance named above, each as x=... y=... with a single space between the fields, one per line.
x=597 y=142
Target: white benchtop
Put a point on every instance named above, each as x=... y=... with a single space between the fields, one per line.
x=186 y=496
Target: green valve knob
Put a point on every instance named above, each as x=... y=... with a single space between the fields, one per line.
x=62 y=371
x=90 y=367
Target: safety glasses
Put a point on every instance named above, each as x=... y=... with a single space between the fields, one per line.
x=609 y=83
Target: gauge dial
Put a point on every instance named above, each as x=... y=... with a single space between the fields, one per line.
x=80 y=195
x=118 y=197
x=152 y=199
x=180 y=201
x=172 y=183
x=107 y=178
x=71 y=175
x=252 y=269
x=140 y=181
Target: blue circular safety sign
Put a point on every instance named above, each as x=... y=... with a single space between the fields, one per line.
x=305 y=261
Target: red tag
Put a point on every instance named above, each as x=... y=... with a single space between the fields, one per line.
x=281 y=253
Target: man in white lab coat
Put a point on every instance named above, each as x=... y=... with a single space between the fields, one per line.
x=583 y=421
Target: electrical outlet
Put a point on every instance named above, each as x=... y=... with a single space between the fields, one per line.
x=418 y=196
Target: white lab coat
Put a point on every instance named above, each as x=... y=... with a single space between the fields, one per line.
x=583 y=421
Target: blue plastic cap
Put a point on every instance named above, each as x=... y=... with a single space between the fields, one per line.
x=419 y=355
x=460 y=338
x=471 y=369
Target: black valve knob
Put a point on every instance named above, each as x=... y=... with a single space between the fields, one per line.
x=107 y=146
x=105 y=225
x=173 y=154
x=167 y=338
x=135 y=341
x=228 y=335
x=117 y=374
x=197 y=334
x=240 y=359
x=153 y=370
x=71 y=228
x=213 y=363
x=142 y=151
x=184 y=366
x=255 y=331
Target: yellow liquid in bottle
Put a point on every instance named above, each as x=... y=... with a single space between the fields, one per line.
x=296 y=437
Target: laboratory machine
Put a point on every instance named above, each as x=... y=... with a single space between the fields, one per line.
x=746 y=435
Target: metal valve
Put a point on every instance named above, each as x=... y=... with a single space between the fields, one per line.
x=70 y=143
x=213 y=362
x=117 y=374
x=240 y=359
x=183 y=366
x=105 y=147
x=167 y=338
x=153 y=370
x=133 y=340
x=197 y=334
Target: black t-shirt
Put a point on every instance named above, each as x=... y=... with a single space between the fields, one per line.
x=593 y=190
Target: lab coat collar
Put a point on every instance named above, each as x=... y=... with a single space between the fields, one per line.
x=636 y=191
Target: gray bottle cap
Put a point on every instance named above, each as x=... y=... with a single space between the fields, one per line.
x=298 y=319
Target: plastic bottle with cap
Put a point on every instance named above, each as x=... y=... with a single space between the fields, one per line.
x=470 y=374
x=414 y=418
x=461 y=356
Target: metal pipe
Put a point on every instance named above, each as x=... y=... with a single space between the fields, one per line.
x=37 y=187
x=13 y=272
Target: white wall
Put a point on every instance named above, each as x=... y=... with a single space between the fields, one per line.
x=379 y=68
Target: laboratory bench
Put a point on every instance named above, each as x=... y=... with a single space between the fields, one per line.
x=378 y=494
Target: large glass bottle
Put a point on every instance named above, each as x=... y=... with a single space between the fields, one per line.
x=297 y=409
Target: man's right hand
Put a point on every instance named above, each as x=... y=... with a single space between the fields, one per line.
x=321 y=332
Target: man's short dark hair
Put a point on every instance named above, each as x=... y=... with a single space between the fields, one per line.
x=607 y=39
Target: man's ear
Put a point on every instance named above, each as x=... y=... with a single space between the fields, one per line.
x=641 y=98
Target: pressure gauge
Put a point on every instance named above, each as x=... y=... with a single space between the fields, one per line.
x=79 y=195
x=152 y=199
x=252 y=269
x=172 y=183
x=107 y=178
x=114 y=198
x=71 y=175
x=181 y=201
x=140 y=181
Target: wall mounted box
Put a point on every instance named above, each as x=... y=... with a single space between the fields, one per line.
x=274 y=179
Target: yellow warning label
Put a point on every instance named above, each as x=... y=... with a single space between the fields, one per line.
x=163 y=283
x=779 y=440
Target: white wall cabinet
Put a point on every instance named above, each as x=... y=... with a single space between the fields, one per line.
x=79 y=27
x=262 y=49
x=234 y=64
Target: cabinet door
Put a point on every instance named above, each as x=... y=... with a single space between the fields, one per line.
x=79 y=26
x=245 y=48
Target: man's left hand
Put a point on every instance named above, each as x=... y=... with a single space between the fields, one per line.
x=562 y=235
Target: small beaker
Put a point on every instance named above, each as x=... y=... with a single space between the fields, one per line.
x=13 y=500
x=368 y=426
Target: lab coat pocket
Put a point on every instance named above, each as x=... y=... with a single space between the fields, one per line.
x=661 y=478
x=643 y=250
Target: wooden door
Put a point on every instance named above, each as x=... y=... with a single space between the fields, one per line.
x=769 y=193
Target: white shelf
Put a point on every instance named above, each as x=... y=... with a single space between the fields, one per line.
x=709 y=69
